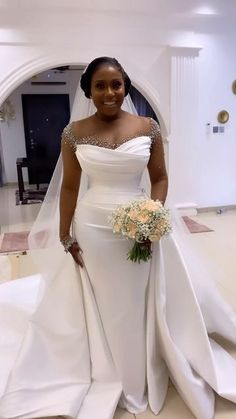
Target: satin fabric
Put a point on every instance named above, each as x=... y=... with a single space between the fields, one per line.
x=82 y=341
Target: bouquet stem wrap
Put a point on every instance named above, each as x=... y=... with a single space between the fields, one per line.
x=144 y=221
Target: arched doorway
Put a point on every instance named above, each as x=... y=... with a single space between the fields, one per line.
x=143 y=104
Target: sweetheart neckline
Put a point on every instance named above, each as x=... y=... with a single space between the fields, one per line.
x=116 y=148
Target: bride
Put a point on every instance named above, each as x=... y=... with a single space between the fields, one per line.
x=107 y=331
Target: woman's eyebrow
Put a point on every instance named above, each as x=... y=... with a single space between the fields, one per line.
x=117 y=78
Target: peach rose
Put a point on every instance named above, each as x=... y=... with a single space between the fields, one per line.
x=131 y=229
x=151 y=205
x=139 y=216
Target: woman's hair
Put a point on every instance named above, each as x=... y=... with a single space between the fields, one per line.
x=86 y=78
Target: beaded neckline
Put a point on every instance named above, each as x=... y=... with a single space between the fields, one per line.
x=71 y=139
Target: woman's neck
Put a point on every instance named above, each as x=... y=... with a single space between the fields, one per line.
x=109 y=118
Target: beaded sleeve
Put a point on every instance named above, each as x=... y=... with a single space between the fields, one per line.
x=155 y=132
x=68 y=137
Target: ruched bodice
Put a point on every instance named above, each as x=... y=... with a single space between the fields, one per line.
x=111 y=172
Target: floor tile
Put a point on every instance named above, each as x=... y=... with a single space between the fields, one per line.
x=14 y=217
x=27 y=265
x=122 y=414
x=5 y=268
x=229 y=295
x=217 y=250
x=224 y=409
x=174 y=408
x=13 y=266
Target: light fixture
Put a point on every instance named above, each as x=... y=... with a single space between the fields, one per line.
x=205 y=10
x=234 y=87
x=7 y=111
x=223 y=116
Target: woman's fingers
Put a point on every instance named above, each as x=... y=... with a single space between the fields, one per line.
x=76 y=253
x=146 y=243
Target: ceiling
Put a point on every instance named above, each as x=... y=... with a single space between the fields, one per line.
x=196 y=15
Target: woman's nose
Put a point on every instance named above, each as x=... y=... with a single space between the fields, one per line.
x=109 y=91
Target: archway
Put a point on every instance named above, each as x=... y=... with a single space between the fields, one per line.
x=32 y=67
x=36 y=66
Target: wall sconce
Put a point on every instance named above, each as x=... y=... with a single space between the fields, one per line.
x=223 y=117
x=234 y=87
x=7 y=111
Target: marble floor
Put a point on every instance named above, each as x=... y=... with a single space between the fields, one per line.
x=216 y=248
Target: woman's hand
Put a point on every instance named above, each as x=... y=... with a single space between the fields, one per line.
x=76 y=253
x=146 y=243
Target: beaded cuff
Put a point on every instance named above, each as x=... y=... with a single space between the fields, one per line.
x=67 y=243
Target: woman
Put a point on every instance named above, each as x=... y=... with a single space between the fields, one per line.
x=108 y=331
x=120 y=145
x=106 y=83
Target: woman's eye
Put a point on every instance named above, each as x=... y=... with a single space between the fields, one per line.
x=99 y=86
x=117 y=85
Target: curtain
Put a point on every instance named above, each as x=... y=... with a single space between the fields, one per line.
x=141 y=104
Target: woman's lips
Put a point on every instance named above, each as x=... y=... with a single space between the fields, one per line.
x=109 y=103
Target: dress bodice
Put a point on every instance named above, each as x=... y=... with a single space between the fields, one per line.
x=113 y=165
x=114 y=171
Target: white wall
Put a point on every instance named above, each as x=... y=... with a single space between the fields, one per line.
x=141 y=42
x=216 y=153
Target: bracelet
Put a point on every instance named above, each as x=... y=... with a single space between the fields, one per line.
x=67 y=243
x=158 y=200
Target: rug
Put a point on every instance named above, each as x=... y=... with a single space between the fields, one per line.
x=15 y=242
x=31 y=196
x=194 y=226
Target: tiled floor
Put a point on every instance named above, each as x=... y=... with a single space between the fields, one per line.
x=15 y=217
x=217 y=249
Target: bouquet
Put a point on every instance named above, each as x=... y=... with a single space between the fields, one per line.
x=143 y=221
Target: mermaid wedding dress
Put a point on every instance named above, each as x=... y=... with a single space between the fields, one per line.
x=112 y=333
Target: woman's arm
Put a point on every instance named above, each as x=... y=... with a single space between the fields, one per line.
x=157 y=170
x=68 y=196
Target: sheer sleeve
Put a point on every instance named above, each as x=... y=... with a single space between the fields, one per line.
x=156 y=164
x=68 y=137
x=155 y=132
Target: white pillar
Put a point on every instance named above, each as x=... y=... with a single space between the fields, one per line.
x=183 y=125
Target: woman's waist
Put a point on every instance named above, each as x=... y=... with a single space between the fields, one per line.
x=116 y=195
x=95 y=204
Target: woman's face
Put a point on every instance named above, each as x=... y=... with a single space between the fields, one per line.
x=107 y=90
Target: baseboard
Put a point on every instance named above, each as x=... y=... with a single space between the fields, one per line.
x=11 y=184
x=217 y=208
x=189 y=208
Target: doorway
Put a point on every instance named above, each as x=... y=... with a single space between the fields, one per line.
x=44 y=116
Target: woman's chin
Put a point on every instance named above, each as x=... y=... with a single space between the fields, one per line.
x=109 y=111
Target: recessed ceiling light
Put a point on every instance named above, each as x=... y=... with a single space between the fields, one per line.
x=205 y=10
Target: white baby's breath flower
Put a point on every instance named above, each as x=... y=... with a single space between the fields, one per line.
x=141 y=220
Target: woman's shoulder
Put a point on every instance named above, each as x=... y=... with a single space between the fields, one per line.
x=146 y=125
x=142 y=121
x=81 y=127
x=75 y=131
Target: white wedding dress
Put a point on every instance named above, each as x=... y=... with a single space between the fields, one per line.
x=114 y=332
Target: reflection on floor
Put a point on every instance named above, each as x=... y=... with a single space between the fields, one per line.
x=217 y=248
